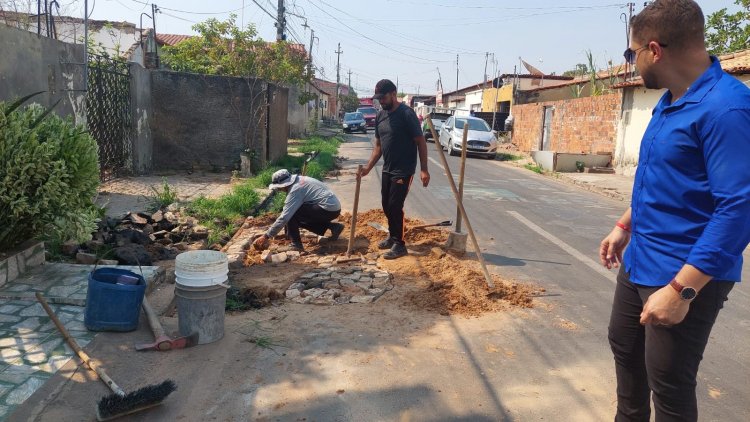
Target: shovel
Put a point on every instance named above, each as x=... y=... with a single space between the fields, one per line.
x=440 y=224
x=162 y=342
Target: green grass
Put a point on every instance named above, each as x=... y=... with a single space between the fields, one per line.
x=229 y=210
x=508 y=157
x=534 y=168
x=162 y=197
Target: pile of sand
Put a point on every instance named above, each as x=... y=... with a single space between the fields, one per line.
x=431 y=279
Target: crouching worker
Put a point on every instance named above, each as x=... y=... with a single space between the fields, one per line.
x=309 y=204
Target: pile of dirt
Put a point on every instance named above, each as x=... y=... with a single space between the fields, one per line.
x=430 y=278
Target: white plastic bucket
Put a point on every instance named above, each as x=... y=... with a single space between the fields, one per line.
x=201 y=268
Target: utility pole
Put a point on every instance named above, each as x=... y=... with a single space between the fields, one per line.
x=486 y=57
x=440 y=80
x=456 y=72
x=312 y=40
x=154 y=9
x=350 y=79
x=338 y=80
x=280 y=22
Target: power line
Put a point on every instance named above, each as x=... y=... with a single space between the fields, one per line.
x=190 y=12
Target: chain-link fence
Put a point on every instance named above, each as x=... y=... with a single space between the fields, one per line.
x=108 y=114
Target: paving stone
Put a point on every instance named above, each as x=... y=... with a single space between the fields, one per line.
x=18 y=287
x=381 y=282
x=279 y=258
x=364 y=284
x=16 y=374
x=303 y=300
x=362 y=299
x=314 y=283
x=343 y=298
x=365 y=279
x=332 y=284
x=35 y=357
x=308 y=275
x=9 y=309
x=293 y=255
x=4 y=411
x=377 y=292
x=19 y=394
x=62 y=291
x=9 y=318
x=315 y=293
x=53 y=364
x=10 y=354
x=29 y=324
x=292 y=293
x=4 y=388
x=33 y=310
x=297 y=286
x=324 y=265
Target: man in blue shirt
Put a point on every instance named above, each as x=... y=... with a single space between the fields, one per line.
x=689 y=220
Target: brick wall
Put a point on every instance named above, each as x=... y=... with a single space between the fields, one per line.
x=580 y=125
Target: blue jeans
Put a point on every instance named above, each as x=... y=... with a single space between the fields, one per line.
x=660 y=360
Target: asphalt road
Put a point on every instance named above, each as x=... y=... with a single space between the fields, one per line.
x=535 y=229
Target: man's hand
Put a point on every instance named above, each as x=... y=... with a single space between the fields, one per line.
x=425 y=176
x=261 y=243
x=664 y=307
x=362 y=173
x=612 y=247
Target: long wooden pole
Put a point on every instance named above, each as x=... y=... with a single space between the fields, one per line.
x=354 y=213
x=465 y=140
x=461 y=208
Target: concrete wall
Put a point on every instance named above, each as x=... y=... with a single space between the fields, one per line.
x=474 y=100
x=582 y=125
x=31 y=63
x=140 y=103
x=205 y=122
x=490 y=95
x=298 y=115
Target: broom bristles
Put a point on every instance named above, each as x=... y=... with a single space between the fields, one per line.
x=114 y=405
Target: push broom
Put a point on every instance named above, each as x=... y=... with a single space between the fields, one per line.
x=119 y=403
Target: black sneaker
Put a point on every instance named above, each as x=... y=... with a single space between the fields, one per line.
x=336 y=229
x=297 y=246
x=397 y=251
x=386 y=243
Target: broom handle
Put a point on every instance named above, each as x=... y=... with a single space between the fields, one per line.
x=81 y=354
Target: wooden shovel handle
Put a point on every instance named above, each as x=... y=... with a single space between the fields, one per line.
x=153 y=320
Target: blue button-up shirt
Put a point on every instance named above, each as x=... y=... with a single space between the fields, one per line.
x=691 y=194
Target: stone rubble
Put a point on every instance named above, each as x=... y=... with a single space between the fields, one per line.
x=328 y=285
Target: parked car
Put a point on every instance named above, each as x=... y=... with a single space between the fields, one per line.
x=354 y=122
x=370 y=113
x=481 y=140
x=437 y=120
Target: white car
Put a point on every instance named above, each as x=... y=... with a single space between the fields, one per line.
x=481 y=140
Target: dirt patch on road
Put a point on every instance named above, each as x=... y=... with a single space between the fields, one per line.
x=429 y=278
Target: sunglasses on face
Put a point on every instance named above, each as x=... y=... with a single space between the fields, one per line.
x=630 y=54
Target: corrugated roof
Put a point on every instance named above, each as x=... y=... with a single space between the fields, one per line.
x=171 y=39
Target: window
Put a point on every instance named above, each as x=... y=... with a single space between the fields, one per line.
x=474 y=124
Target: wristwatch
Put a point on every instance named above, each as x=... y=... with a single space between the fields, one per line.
x=685 y=292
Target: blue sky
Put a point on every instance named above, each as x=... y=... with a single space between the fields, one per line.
x=409 y=40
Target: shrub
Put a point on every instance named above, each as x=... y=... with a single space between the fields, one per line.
x=48 y=179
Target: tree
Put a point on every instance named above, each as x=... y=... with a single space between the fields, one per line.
x=349 y=102
x=221 y=48
x=728 y=32
x=580 y=70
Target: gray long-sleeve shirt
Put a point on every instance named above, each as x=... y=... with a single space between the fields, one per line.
x=305 y=190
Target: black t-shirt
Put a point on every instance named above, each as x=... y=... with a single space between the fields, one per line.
x=396 y=131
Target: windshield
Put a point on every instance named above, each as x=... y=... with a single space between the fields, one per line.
x=368 y=110
x=474 y=124
x=353 y=116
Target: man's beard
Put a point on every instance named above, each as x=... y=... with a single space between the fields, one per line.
x=650 y=81
x=386 y=107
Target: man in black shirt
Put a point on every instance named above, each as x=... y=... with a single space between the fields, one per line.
x=398 y=137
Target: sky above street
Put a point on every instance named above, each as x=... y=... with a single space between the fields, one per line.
x=410 y=40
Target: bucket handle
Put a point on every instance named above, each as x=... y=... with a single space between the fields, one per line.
x=138 y=261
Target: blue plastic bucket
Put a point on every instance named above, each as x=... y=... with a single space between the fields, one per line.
x=113 y=300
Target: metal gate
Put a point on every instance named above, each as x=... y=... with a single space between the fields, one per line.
x=108 y=115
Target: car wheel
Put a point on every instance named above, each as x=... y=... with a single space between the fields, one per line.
x=451 y=151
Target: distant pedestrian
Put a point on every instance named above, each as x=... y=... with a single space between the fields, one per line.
x=689 y=219
x=398 y=139
x=309 y=204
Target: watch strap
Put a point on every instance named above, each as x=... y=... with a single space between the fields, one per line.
x=676 y=285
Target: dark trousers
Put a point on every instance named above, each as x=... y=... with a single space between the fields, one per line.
x=311 y=217
x=658 y=359
x=393 y=194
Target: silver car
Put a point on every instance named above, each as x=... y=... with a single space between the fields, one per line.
x=481 y=140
